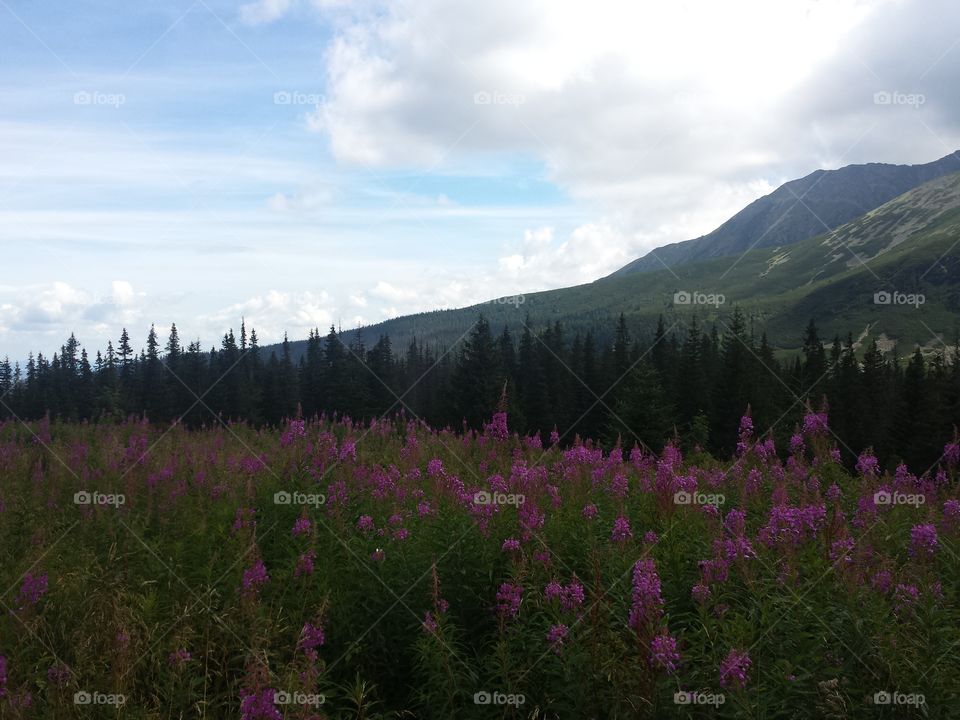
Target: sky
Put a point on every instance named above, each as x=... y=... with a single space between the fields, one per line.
x=302 y=163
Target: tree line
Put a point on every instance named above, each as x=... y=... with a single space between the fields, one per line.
x=689 y=384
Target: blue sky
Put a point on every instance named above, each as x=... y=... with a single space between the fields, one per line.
x=302 y=162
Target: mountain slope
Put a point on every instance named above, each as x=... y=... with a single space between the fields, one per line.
x=798 y=210
x=909 y=245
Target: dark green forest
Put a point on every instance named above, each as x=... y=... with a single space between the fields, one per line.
x=690 y=385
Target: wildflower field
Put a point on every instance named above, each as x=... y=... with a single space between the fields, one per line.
x=331 y=569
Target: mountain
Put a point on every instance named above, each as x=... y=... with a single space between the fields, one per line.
x=799 y=209
x=909 y=246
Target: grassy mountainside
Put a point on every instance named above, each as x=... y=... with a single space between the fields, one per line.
x=799 y=210
x=909 y=245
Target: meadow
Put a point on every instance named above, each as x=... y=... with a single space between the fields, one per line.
x=331 y=569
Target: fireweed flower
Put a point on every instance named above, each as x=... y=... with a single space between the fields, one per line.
x=429 y=623
x=647 y=603
x=815 y=424
x=254 y=578
x=556 y=635
x=33 y=588
x=305 y=564
x=573 y=596
x=701 y=593
x=498 y=427
x=663 y=653
x=951 y=513
x=867 y=464
x=923 y=540
x=621 y=530
x=834 y=493
x=259 y=705
x=509 y=597
x=734 y=669
x=378 y=555
x=589 y=511
x=882 y=581
x=365 y=524
x=735 y=522
x=510 y=545
x=301 y=526
x=311 y=637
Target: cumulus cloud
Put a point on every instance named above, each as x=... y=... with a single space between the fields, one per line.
x=664 y=118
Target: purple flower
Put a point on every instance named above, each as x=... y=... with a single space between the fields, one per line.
x=867 y=464
x=663 y=653
x=701 y=593
x=735 y=522
x=378 y=555
x=834 y=493
x=509 y=597
x=429 y=624
x=311 y=637
x=556 y=635
x=650 y=537
x=259 y=705
x=815 y=424
x=365 y=524
x=647 y=605
x=621 y=530
x=305 y=564
x=589 y=511
x=33 y=588
x=301 y=526
x=923 y=540
x=510 y=545
x=882 y=581
x=255 y=577
x=553 y=591
x=573 y=596
x=734 y=669
x=498 y=426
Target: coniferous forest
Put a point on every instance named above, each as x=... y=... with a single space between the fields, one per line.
x=690 y=386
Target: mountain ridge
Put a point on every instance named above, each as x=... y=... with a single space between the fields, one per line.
x=799 y=209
